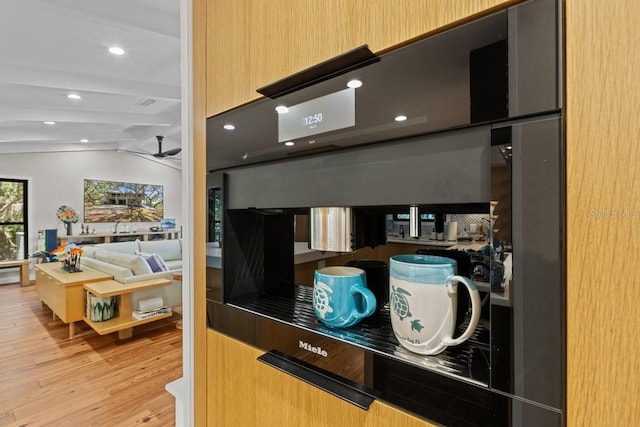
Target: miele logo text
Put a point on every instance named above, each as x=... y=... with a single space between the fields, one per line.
x=312 y=349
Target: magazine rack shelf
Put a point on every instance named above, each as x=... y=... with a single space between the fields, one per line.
x=124 y=322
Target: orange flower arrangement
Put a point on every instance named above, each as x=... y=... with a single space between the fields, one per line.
x=69 y=255
x=67 y=214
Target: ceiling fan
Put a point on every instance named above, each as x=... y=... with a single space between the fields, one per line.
x=160 y=154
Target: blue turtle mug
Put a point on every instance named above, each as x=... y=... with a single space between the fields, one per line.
x=341 y=297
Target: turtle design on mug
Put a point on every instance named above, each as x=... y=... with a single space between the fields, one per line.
x=399 y=302
x=321 y=299
x=416 y=325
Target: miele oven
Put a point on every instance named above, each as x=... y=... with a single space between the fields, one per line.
x=481 y=140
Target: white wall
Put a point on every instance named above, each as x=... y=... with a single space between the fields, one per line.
x=57 y=179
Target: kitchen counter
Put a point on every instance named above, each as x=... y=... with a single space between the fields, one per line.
x=497 y=298
x=504 y=298
x=443 y=244
x=301 y=254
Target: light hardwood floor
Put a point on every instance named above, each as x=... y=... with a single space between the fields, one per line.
x=48 y=380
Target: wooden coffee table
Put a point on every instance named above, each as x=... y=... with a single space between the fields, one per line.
x=62 y=292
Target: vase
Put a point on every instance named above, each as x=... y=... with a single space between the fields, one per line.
x=102 y=309
x=69 y=231
x=71 y=264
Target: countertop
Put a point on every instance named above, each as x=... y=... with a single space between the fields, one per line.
x=301 y=254
x=446 y=244
x=497 y=298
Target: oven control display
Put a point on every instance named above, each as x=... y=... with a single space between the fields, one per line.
x=324 y=114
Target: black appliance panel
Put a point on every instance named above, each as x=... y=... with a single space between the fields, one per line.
x=538 y=275
x=428 y=81
x=445 y=168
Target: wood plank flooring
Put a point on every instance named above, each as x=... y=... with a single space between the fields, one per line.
x=48 y=380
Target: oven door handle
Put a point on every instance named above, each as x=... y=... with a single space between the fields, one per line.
x=347 y=390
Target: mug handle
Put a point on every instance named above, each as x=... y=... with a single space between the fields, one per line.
x=369 y=301
x=476 y=307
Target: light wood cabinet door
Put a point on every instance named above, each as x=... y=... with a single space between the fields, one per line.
x=246 y=392
x=283 y=400
x=231 y=381
x=252 y=43
x=603 y=203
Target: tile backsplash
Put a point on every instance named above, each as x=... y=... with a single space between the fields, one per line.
x=465 y=223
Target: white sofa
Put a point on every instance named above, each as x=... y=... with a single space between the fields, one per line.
x=126 y=262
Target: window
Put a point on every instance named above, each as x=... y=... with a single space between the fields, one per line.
x=214 y=228
x=13 y=219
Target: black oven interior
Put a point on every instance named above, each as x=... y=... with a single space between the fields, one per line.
x=264 y=283
x=482 y=144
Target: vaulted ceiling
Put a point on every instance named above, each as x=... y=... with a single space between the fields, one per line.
x=50 y=49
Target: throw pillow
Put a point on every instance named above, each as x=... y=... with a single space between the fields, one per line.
x=156 y=263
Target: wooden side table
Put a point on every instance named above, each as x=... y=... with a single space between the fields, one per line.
x=124 y=322
x=62 y=292
x=24 y=269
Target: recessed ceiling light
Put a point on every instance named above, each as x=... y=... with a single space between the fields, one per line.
x=49 y=123
x=354 y=84
x=116 y=50
x=84 y=140
x=281 y=109
x=74 y=96
x=229 y=126
x=289 y=143
x=509 y=147
x=400 y=118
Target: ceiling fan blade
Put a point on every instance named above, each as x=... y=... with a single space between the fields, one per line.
x=160 y=154
x=132 y=152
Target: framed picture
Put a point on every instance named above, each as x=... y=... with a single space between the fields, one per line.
x=167 y=223
x=112 y=201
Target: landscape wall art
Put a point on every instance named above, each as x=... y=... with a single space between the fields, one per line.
x=112 y=201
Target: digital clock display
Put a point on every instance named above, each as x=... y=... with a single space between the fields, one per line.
x=326 y=113
x=311 y=120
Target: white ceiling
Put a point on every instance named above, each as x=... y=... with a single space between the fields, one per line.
x=50 y=48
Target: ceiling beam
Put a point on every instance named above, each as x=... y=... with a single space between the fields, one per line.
x=116 y=13
x=18 y=113
x=41 y=77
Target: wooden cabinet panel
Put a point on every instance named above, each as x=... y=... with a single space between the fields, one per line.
x=252 y=43
x=62 y=292
x=283 y=400
x=603 y=202
x=231 y=381
x=245 y=392
x=123 y=322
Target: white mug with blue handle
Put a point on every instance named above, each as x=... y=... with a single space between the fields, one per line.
x=341 y=297
x=423 y=300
